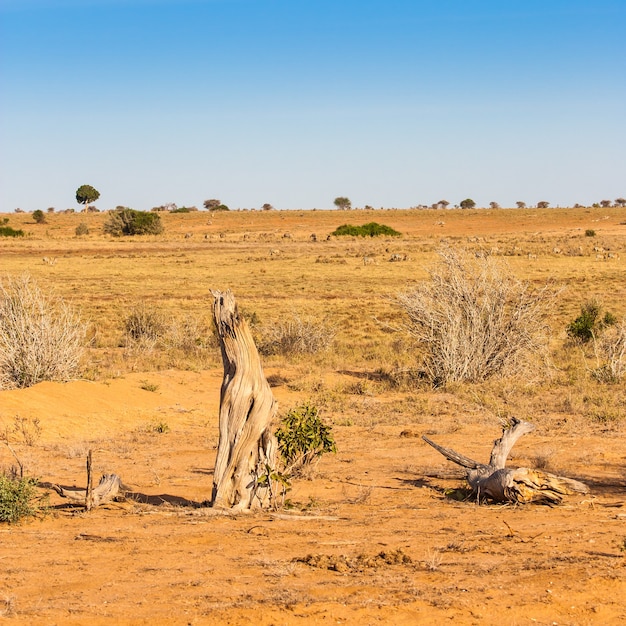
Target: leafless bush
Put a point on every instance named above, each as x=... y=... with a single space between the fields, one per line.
x=189 y=335
x=40 y=335
x=297 y=335
x=610 y=349
x=143 y=328
x=474 y=320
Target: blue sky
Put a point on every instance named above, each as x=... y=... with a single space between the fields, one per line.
x=293 y=102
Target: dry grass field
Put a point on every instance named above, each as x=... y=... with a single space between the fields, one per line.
x=373 y=536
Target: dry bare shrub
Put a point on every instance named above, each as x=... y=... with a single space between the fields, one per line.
x=189 y=335
x=41 y=337
x=296 y=335
x=474 y=320
x=143 y=328
x=610 y=349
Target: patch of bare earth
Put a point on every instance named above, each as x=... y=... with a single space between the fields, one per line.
x=372 y=538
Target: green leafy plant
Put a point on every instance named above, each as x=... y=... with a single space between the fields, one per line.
x=372 y=229
x=129 y=222
x=590 y=232
x=19 y=499
x=303 y=438
x=590 y=322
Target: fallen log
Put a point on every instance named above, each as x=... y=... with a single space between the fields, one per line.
x=519 y=485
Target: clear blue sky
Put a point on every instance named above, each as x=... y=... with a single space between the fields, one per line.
x=293 y=102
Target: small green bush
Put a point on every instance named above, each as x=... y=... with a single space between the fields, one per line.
x=39 y=216
x=590 y=232
x=372 y=229
x=19 y=499
x=129 y=222
x=303 y=438
x=590 y=322
x=7 y=231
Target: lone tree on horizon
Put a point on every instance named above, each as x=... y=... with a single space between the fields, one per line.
x=86 y=194
x=342 y=203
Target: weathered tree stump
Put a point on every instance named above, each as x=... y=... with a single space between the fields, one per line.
x=247 y=446
x=518 y=485
x=107 y=489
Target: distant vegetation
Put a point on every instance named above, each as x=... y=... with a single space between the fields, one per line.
x=7 y=231
x=372 y=229
x=127 y=221
x=86 y=194
x=39 y=216
x=342 y=203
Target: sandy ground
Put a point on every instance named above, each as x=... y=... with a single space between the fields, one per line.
x=373 y=538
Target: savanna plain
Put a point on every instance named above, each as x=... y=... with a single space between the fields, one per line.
x=375 y=533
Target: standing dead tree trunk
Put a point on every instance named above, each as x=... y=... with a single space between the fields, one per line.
x=519 y=485
x=247 y=446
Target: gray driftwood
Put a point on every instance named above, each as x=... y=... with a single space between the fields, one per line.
x=518 y=485
x=107 y=489
x=247 y=445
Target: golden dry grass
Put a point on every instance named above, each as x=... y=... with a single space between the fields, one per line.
x=171 y=562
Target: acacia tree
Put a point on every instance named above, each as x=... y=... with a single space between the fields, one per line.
x=213 y=203
x=543 y=204
x=443 y=204
x=520 y=204
x=468 y=203
x=494 y=205
x=620 y=201
x=342 y=203
x=86 y=194
x=605 y=204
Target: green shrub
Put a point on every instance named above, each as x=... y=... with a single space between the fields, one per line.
x=39 y=216
x=303 y=438
x=372 y=229
x=590 y=232
x=129 y=222
x=7 y=231
x=19 y=498
x=590 y=322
